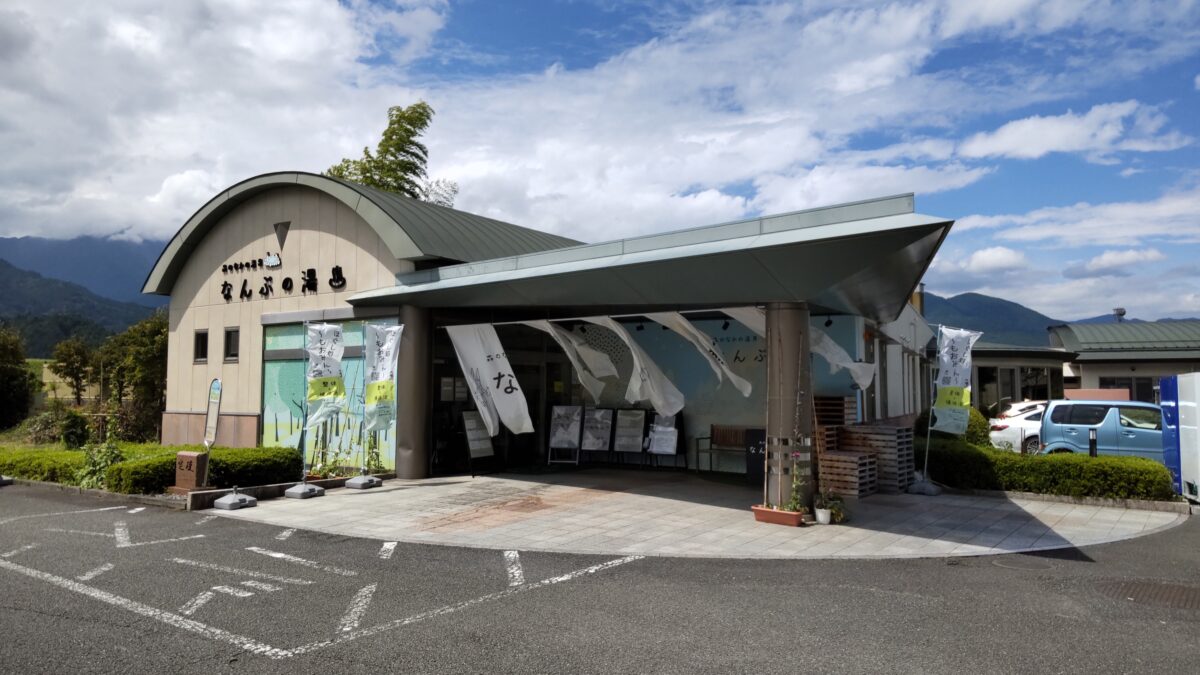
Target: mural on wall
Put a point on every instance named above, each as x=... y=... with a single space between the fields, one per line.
x=340 y=441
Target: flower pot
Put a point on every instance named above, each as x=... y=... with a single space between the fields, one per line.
x=777 y=517
x=823 y=516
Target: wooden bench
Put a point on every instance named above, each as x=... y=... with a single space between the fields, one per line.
x=723 y=440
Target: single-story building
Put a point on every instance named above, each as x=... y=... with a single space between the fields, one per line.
x=1006 y=373
x=1130 y=355
x=267 y=256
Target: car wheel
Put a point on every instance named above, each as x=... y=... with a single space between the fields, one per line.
x=1032 y=445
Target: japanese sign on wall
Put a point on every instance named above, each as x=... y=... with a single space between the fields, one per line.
x=326 y=389
x=306 y=282
x=951 y=407
x=382 y=344
x=491 y=379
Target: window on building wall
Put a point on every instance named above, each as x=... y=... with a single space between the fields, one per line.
x=200 y=346
x=231 y=344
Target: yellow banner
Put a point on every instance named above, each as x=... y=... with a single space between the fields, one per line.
x=953 y=397
x=380 y=392
x=325 y=387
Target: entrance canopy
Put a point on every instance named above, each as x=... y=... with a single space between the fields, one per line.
x=863 y=258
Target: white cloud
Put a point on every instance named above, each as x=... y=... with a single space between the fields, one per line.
x=951 y=274
x=1114 y=263
x=124 y=116
x=1103 y=130
x=1173 y=217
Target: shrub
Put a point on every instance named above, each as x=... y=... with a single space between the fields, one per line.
x=58 y=466
x=151 y=469
x=978 y=429
x=74 y=429
x=958 y=464
x=97 y=459
x=149 y=475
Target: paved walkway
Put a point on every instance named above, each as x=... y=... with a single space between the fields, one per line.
x=615 y=512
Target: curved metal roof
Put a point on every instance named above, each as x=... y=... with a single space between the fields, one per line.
x=1139 y=339
x=411 y=229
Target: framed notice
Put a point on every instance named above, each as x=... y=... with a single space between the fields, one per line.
x=630 y=430
x=479 y=443
x=664 y=437
x=597 y=429
x=566 y=422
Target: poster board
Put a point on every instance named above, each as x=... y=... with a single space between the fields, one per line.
x=566 y=426
x=479 y=443
x=630 y=431
x=597 y=430
x=664 y=436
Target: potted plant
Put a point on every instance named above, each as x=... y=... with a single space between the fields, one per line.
x=829 y=507
x=792 y=514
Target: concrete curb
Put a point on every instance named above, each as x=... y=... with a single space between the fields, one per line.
x=1182 y=507
x=203 y=499
x=166 y=501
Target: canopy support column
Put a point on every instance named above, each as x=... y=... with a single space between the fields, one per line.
x=412 y=394
x=789 y=405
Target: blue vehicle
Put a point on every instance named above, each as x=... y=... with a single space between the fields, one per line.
x=1129 y=428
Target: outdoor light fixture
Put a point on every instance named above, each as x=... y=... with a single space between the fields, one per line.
x=725 y=326
x=828 y=323
x=583 y=329
x=641 y=326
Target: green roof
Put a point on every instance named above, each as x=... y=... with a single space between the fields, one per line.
x=1134 y=339
x=411 y=229
x=997 y=349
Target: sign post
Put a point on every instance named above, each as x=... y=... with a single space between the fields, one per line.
x=191 y=468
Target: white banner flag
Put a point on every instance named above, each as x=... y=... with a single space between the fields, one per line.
x=382 y=343
x=490 y=378
x=951 y=409
x=326 y=390
x=704 y=344
x=646 y=382
x=822 y=344
x=590 y=364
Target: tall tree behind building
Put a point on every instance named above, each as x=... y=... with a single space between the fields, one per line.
x=17 y=383
x=398 y=163
x=72 y=361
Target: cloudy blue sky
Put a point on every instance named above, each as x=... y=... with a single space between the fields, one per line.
x=1062 y=135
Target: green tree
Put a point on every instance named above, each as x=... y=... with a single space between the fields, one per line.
x=72 y=358
x=17 y=383
x=135 y=366
x=398 y=163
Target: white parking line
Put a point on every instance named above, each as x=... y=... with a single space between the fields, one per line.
x=166 y=617
x=90 y=534
x=58 y=513
x=13 y=552
x=386 y=551
x=516 y=573
x=206 y=519
x=358 y=606
x=301 y=561
x=92 y=574
x=240 y=572
x=235 y=592
x=189 y=608
x=121 y=532
x=283 y=536
x=137 y=510
x=262 y=586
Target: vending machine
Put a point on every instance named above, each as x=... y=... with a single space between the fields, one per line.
x=1181 y=432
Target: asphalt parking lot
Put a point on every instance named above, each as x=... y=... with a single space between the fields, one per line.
x=90 y=586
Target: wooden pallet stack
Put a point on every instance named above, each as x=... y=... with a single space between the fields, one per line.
x=835 y=411
x=850 y=474
x=892 y=448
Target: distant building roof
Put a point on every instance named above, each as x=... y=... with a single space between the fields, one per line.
x=411 y=229
x=998 y=350
x=1135 y=340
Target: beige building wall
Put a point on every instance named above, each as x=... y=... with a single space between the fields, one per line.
x=1090 y=373
x=323 y=233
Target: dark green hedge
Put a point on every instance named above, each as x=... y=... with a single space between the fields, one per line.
x=959 y=464
x=58 y=466
x=227 y=467
x=978 y=429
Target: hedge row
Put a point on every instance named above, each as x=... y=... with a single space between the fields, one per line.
x=150 y=469
x=959 y=464
x=227 y=467
x=57 y=466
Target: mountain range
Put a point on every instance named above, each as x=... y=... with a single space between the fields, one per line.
x=108 y=267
